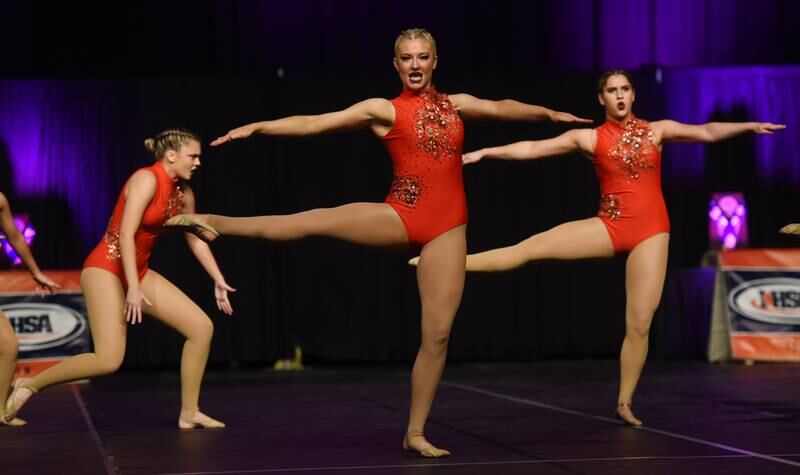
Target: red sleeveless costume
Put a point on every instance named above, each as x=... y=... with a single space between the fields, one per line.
x=628 y=165
x=425 y=144
x=166 y=203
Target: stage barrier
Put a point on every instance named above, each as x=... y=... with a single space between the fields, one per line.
x=756 y=311
x=48 y=328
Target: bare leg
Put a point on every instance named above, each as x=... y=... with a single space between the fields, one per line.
x=105 y=301
x=8 y=363
x=572 y=240
x=372 y=224
x=644 y=282
x=171 y=306
x=440 y=278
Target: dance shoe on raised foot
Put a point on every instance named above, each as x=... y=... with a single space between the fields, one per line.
x=194 y=224
x=793 y=228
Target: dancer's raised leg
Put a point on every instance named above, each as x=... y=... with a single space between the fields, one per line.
x=573 y=240
x=372 y=224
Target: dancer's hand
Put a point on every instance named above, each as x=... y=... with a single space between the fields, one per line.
x=44 y=284
x=472 y=157
x=567 y=118
x=221 y=290
x=766 y=128
x=133 y=305
x=242 y=132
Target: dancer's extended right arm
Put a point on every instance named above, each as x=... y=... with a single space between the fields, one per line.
x=368 y=113
x=570 y=141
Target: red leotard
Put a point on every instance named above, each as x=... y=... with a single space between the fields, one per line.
x=165 y=204
x=628 y=165
x=425 y=144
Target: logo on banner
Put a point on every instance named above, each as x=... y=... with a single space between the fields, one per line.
x=43 y=325
x=771 y=300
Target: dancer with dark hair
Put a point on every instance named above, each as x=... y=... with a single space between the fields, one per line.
x=632 y=217
x=118 y=285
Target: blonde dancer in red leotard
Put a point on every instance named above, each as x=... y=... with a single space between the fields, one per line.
x=632 y=219
x=118 y=285
x=426 y=206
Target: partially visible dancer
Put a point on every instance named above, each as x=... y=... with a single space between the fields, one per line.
x=118 y=285
x=8 y=339
x=632 y=218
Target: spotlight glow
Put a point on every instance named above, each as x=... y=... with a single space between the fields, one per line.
x=23 y=224
x=727 y=225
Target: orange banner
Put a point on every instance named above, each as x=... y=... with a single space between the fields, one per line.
x=760 y=259
x=16 y=281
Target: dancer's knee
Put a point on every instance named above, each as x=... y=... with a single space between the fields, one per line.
x=639 y=322
x=107 y=364
x=436 y=338
x=202 y=331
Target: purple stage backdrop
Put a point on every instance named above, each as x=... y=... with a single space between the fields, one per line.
x=58 y=142
x=756 y=93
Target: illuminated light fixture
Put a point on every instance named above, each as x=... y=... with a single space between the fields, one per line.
x=727 y=225
x=22 y=223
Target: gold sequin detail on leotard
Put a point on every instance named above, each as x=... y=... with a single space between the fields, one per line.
x=634 y=147
x=406 y=189
x=434 y=125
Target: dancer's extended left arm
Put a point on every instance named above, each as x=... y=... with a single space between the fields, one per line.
x=472 y=107
x=672 y=131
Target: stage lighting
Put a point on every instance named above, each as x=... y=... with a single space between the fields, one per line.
x=727 y=224
x=22 y=223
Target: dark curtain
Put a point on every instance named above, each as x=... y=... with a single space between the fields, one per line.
x=356 y=36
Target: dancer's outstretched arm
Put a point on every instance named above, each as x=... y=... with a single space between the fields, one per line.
x=570 y=141
x=17 y=241
x=472 y=107
x=203 y=253
x=672 y=131
x=376 y=113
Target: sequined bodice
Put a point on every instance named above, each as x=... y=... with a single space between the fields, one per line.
x=425 y=143
x=628 y=165
x=626 y=152
x=166 y=203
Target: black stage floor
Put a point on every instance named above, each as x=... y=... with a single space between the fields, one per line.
x=543 y=418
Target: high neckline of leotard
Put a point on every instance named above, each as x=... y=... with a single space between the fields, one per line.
x=426 y=93
x=162 y=170
x=621 y=125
